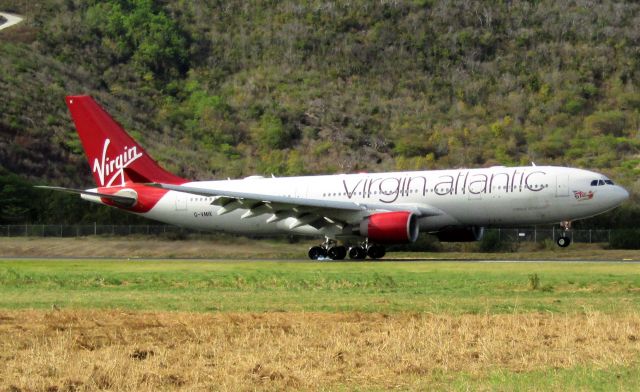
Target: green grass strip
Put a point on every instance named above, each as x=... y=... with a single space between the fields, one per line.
x=438 y=287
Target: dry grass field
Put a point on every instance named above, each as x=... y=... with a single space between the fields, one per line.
x=117 y=350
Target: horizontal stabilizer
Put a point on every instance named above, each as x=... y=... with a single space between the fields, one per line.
x=126 y=201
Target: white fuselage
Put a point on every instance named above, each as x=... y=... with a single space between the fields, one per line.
x=497 y=196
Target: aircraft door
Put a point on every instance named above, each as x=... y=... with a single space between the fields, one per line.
x=181 y=202
x=562 y=185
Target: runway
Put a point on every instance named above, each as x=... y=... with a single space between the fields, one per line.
x=307 y=261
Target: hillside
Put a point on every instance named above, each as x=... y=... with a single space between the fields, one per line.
x=232 y=89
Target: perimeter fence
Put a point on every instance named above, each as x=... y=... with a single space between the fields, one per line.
x=531 y=234
x=551 y=234
x=89 y=230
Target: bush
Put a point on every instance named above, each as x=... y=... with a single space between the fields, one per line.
x=574 y=105
x=534 y=282
x=491 y=242
x=141 y=32
x=273 y=133
x=625 y=239
x=608 y=123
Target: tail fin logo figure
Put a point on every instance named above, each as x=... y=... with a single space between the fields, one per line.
x=110 y=168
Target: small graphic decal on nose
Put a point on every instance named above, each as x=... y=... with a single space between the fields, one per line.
x=582 y=195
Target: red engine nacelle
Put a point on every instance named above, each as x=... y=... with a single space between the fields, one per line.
x=390 y=227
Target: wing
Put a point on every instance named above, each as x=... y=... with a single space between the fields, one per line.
x=316 y=212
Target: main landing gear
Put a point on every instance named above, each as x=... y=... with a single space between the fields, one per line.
x=564 y=240
x=330 y=249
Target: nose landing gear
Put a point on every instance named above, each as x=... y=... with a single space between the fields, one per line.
x=564 y=240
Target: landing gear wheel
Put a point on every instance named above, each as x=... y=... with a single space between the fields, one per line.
x=563 y=241
x=337 y=252
x=357 y=253
x=317 y=253
x=376 y=251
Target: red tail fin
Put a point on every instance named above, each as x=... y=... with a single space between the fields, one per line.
x=114 y=157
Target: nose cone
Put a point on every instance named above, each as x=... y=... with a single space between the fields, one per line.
x=621 y=195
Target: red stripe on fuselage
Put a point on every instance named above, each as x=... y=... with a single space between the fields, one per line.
x=148 y=197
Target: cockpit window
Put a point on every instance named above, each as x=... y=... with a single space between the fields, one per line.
x=602 y=182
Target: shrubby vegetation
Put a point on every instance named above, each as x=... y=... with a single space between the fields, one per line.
x=625 y=239
x=491 y=242
x=235 y=88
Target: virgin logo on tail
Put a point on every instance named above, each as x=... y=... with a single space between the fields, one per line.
x=110 y=168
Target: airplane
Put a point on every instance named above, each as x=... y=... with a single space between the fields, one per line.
x=365 y=211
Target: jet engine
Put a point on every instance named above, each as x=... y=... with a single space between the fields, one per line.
x=461 y=234
x=390 y=227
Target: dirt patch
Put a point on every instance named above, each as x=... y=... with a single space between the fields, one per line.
x=88 y=350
